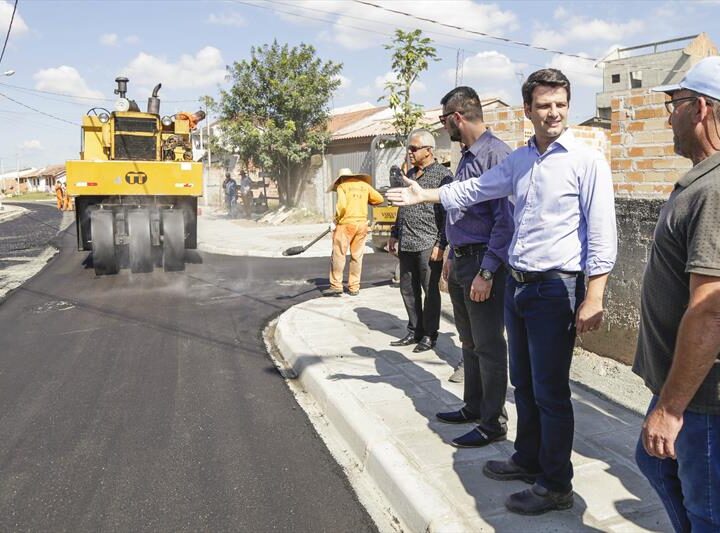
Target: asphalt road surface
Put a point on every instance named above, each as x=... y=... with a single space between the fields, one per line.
x=26 y=236
x=147 y=402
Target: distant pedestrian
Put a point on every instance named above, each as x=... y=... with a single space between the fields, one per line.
x=230 y=189
x=679 y=339
x=564 y=229
x=418 y=237
x=475 y=271
x=350 y=228
x=246 y=193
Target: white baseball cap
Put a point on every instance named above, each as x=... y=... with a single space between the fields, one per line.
x=703 y=78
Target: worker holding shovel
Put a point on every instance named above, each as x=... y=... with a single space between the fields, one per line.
x=350 y=228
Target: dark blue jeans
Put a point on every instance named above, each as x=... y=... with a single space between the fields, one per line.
x=688 y=486
x=540 y=323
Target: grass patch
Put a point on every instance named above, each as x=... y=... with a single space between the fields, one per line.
x=32 y=196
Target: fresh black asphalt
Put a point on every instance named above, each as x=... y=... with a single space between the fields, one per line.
x=147 y=402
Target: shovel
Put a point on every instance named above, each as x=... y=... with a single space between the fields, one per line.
x=295 y=250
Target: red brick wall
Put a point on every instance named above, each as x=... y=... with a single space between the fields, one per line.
x=643 y=161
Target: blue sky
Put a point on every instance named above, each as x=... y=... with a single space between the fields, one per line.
x=78 y=48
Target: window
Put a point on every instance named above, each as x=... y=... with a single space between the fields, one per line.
x=636 y=79
x=616 y=78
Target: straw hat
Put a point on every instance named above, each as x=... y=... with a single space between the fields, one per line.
x=347 y=173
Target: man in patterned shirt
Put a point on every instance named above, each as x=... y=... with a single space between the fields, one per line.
x=418 y=237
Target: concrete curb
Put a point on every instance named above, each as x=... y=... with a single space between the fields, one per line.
x=11 y=212
x=418 y=505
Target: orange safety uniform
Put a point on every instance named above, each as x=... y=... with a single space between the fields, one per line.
x=353 y=197
x=59 y=196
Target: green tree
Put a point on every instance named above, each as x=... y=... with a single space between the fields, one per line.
x=411 y=55
x=276 y=111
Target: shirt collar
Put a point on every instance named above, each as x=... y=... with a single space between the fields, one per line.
x=699 y=170
x=479 y=143
x=567 y=140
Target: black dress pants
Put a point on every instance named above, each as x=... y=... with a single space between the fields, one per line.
x=480 y=326
x=418 y=276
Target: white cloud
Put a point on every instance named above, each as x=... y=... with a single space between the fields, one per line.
x=31 y=146
x=345 y=82
x=491 y=74
x=205 y=68
x=487 y=67
x=19 y=27
x=578 y=28
x=109 y=39
x=579 y=71
x=227 y=19
x=344 y=30
x=64 y=79
x=132 y=39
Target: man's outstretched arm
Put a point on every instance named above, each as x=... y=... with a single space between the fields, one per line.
x=412 y=194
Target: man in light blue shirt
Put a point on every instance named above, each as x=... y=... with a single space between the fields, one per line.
x=564 y=231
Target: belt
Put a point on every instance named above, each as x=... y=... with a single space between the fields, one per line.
x=531 y=277
x=469 y=249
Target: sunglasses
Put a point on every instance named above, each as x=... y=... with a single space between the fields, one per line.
x=444 y=116
x=414 y=149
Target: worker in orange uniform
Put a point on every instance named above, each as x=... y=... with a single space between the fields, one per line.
x=192 y=118
x=59 y=195
x=350 y=228
x=67 y=201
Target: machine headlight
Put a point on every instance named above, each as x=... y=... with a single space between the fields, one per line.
x=167 y=121
x=104 y=117
x=122 y=105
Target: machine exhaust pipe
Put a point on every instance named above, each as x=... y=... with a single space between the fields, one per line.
x=153 y=105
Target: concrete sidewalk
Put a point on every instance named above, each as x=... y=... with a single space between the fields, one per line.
x=380 y=403
x=375 y=407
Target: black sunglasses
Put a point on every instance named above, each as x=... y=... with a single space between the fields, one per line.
x=444 y=116
x=414 y=149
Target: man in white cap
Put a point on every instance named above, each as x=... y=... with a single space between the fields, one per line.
x=679 y=340
x=350 y=228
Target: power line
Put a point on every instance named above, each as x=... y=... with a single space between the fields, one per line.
x=79 y=97
x=38 y=111
x=475 y=32
x=511 y=41
x=7 y=36
x=386 y=34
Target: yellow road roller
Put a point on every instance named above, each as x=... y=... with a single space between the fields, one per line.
x=136 y=186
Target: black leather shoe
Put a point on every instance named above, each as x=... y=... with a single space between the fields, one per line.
x=457 y=417
x=538 y=500
x=425 y=344
x=508 y=471
x=477 y=438
x=406 y=340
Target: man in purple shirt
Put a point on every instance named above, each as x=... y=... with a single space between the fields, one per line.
x=479 y=236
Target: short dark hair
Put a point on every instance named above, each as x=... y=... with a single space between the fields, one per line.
x=465 y=100
x=549 y=77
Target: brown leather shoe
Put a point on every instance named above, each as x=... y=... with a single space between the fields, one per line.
x=538 y=500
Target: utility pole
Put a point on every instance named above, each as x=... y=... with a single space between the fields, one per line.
x=209 y=156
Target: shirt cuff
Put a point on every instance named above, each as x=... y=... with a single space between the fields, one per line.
x=490 y=262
